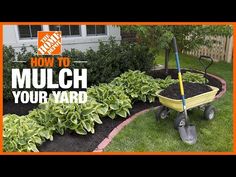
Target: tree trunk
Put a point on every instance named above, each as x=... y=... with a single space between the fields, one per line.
x=167 y=57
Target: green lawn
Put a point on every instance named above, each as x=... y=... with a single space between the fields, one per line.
x=146 y=134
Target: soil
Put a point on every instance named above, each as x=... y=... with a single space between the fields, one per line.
x=9 y=107
x=70 y=142
x=174 y=75
x=190 y=90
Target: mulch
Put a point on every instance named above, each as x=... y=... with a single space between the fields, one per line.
x=70 y=141
x=174 y=75
x=190 y=90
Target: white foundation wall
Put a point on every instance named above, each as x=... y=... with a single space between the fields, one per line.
x=82 y=43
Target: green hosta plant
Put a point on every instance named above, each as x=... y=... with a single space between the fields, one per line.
x=138 y=86
x=164 y=83
x=80 y=118
x=113 y=99
x=194 y=77
x=21 y=133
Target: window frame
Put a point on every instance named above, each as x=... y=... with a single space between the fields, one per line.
x=68 y=36
x=93 y=35
x=30 y=30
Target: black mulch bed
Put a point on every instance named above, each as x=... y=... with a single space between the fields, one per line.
x=70 y=141
x=9 y=107
x=190 y=90
x=174 y=75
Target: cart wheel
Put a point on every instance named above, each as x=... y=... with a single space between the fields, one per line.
x=179 y=121
x=162 y=113
x=209 y=112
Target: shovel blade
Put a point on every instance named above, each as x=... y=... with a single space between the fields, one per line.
x=188 y=134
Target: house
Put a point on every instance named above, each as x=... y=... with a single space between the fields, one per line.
x=81 y=37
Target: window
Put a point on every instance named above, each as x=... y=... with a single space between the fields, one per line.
x=67 y=30
x=96 y=30
x=28 y=31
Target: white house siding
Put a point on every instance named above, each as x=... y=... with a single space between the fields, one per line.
x=82 y=43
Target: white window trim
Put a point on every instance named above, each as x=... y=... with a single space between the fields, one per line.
x=98 y=36
x=71 y=36
x=24 y=40
x=83 y=31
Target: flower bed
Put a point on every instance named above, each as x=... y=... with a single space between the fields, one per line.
x=107 y=108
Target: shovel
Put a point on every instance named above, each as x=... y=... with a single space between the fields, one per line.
x=187 y=132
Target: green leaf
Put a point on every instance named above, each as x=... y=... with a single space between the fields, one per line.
x=87 y=111
x=74 y=119
x=143 y=98
x=81 y=131
x=112 y=114
x=33 y=147
x=103 y=109
x=60 y=131
x=92 y=130
x=151 y=99
x=144 y=89
x=84 y=124
x=37 y=140
x=122 y=113
x=134 y=95
x=97 y=119
x=88 y=126
x=114 y=106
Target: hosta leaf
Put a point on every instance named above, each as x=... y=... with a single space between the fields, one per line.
x=151 y=99
x=32 y=147
x=81 y=131
x=88 y=126
x=60 y=131
x=143 y=98
x=84 y=125
x=87 y=111
x=114 y=106
x=122 y=113
x=103 y=109
x=112 y=114
x=144 y=89
x=69 y=115
x=126 y=110
x=37 y=140
x=97 y=119
x=74 y=119
x=92 y=130
x=134 y=95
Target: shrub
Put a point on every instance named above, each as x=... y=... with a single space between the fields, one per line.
x=138 y=86
x=113 y=59
x=108 y=62
x=9 y=55
x=113 y=99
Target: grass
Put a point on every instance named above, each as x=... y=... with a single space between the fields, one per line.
x=146 y=134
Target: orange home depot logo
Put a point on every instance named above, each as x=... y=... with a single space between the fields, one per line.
x=49 y=42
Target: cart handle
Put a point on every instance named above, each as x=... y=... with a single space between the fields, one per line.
x=205 y=66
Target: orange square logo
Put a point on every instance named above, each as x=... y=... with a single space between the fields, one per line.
x=49 y=42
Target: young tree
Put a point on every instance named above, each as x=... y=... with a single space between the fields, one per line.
x=188 y=37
